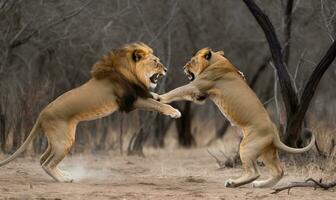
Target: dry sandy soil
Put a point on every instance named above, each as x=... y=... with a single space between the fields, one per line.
x=162 y=174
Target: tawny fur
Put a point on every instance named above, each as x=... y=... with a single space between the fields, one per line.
x=218 y=79
x=118 y=83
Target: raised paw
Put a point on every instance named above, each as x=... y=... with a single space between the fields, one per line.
x=173 y=113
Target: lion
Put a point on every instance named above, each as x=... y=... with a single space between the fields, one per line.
x=213 y=76
x=120 y=81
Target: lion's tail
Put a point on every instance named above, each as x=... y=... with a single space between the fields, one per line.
x=280 y=145
x=23 y=147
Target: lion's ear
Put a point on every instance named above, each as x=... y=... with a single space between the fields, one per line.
x=221 y=53
x=137 y=55
x=208 y=55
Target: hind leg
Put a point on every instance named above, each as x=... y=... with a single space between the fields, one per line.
x=46 y=154
x=248 y=156
x=60 y=144
x=51 y=165
x=271 y=159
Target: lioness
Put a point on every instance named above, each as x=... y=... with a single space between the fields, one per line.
x=120 y=81
x=213 y=76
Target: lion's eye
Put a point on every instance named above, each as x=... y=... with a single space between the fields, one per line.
x=208 y=55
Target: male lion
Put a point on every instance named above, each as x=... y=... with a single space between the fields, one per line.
x=120 y=81
x=213 y=76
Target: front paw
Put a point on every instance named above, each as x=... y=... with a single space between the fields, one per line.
x=229 y=183
x=163 y=99
x=173 y=113
x=155 y=96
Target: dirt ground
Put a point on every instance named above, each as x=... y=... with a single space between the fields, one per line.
x=162 y=174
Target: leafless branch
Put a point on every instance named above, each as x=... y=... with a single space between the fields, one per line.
x=18 y=42
x=296 y=5
x=144 y=21
x=4 y=4
x=299 y=63
x=163 y=27
x=326 y=22
x=259 y=71
x=287 y=29
x=275 y=95
x=268 y=101
x=313 y=81
x=286 y=86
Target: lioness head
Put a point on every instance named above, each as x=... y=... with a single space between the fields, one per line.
x=135 y=61
x=200 y=61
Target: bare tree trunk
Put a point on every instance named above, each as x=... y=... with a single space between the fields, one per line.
x=138 y=140
x=17 y=135
x=286 y=86
x=2 y=132
x=104 y=131
x=287 y=28
x=162 y=125
x=295 y=109
x=183 y=124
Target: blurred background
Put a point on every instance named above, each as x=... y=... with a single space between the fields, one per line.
x=48 y=47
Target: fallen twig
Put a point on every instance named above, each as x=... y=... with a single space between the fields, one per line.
x=308 y=183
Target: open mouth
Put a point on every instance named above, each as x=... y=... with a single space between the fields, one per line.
x=155 y=78
x=190 y=75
